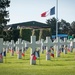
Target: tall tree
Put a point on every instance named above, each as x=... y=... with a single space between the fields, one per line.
x=73 y=27
x=52 y=24
x=4 y=14
x=65 y=27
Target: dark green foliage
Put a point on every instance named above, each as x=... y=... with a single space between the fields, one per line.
x=26 y=33
x=52 y=24
x=7 y=35
x=4 y=3
x=11 y=35
x=4 y=14
x=73 y=28
x=37 y=33
x=45 y=33
x=63 y=26
x=15 y=34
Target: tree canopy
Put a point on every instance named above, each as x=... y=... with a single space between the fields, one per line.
x=4 y=14
x=63 y=26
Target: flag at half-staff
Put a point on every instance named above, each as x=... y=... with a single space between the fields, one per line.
x=49 y=12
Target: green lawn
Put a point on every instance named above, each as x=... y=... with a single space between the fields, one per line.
x=63 y=65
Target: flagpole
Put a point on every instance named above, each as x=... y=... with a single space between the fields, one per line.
x=56 y=19
x=57 y=50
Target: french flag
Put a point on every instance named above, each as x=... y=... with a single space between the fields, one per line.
x=44 y=14
x=52 y=11
x=49 y=12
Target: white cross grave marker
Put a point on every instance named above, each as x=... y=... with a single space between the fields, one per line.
x=19 y=48
x=11 y=46
x=4 y=48
x=33 y=46
x=65 y=45
x=57 y=44
x=1 y=50
x=23 y=46
x=39 y=42
x=72 y=45
x=42 y=47
x=4 y=45
x=7 y=48
x=48 y=44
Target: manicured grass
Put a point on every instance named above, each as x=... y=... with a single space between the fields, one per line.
x=63 y=65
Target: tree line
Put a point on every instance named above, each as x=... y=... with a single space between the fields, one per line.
x=64 y=27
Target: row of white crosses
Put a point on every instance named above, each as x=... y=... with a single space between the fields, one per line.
x=20 y=45
x=10 y=45
x=48 y=43
x=58 y=43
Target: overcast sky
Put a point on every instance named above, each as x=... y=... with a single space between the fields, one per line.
x=30 y=10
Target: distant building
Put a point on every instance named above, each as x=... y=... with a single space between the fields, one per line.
x=26 y=29
x=30 y=24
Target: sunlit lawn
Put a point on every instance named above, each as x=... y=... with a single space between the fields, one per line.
x=63 y=65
